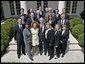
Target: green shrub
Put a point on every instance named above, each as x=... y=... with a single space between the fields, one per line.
x=75 y=21
x=81 y=39
x=7 y=32
x=77 y=30
x=2 y=48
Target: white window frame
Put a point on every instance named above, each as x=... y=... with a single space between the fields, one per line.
x=42 y=4
x=71 y=9
x=14 y=3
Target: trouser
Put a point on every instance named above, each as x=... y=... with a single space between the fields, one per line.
x=41 y=47
x=57 y=51
x=46 y=47
x=51 y=51
x=28 y=48
x=20 y=47
x=63 y=48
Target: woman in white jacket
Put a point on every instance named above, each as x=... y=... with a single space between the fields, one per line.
x=35 y=38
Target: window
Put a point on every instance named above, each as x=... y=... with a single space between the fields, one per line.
x=74 y=6
x=18 y=7
x=11 y=4
x=45 y=4
x=38 y=4
x=71 y=7
x=68 y=6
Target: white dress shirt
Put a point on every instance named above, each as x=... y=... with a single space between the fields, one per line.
x=63 y=21
x=46 y=33
x=63 y=32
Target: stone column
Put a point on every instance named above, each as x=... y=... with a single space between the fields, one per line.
x=61 y=5
x=24 y=5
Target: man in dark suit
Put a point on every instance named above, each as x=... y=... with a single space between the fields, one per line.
x=66 y=15
x=57 y=15
x=31 y=18
x=22 y=13
x=41 y=11
x=64 y=39
x=37 y=16
x=41 y=35
x=57 y=37
x=63 y=21
x=18 y=36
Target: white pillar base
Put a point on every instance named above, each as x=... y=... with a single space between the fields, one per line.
x=23 y=5
x=61 y=5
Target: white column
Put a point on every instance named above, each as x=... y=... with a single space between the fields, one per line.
x=42 y=5
x=61 y=5
x=24 y=5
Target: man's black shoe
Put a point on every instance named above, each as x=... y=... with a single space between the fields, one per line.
x=58 y=56
x=62 y=55
x=24 y=53
x=45 y=53
x=32 y=59
x=40 y=53
x=19 y=56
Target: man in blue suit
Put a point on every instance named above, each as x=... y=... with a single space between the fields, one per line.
x=37 y=16
x=18 y=37
x=63 y=21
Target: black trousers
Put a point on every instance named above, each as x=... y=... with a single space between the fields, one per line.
x=41 y=46
x=63 y=47
x=58 y=50
x=46 y=48
x=20 y=47
x=51 y=51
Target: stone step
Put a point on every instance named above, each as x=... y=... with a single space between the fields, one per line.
x=12 y=43
x=74 y=48
x=69 y=47
x=72 y=39
x=12 y=48
x=70 y=57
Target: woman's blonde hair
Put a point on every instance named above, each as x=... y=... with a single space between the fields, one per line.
x=58 y=27
x=49 y=25
x=34 y=23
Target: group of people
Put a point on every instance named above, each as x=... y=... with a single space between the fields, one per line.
x=42 y=31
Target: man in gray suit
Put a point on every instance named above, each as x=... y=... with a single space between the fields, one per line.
x=28 y=40
x=49 y=12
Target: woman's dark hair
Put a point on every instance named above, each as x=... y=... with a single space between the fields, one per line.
x=49 y=16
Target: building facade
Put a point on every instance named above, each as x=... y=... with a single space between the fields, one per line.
x=12 y=8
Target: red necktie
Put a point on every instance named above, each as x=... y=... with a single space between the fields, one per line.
x=62 y=22
x=21 y=28
x=41 y=27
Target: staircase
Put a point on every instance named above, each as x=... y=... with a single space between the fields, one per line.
x=72 y=45
x=73 y=54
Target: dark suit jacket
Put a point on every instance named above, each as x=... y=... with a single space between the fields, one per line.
x=67 y=16
x=57 y=18
x=66 y=23
x=50 y=37
x=36 y=18
x=57 y=38
x=65 y=36
x=41 y=34
x=25 y=17
x=29 y=20
x=18 y=34
x=42 y=14
x=53 y=24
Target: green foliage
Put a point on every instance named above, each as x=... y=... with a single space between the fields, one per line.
x=77 y=30
x=2 y=48
x=75 y=21
x=7 y=32
x=81 y=39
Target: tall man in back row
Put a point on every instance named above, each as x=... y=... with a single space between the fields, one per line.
x=18 y=37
